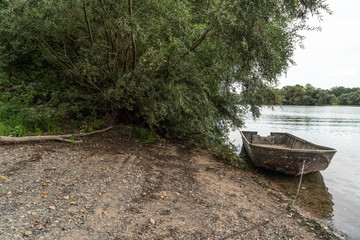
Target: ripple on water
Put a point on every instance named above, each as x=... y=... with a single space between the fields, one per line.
x=333 y=126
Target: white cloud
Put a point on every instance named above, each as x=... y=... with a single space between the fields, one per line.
x=331 y=57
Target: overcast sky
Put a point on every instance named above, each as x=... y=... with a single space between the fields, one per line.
x=331 y=57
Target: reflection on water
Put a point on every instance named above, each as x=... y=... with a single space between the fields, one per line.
x=333 y=126
x=313 y=197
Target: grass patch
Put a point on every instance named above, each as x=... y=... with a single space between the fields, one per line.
x=92 y=123
x=145 y=136
x=19 y=121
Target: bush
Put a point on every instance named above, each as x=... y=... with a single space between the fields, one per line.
x=145 y=135
x=17 y=121
x=182 y=68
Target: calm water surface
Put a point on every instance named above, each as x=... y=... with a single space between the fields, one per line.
x=333 y=126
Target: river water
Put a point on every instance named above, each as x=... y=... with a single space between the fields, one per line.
x=333 y=195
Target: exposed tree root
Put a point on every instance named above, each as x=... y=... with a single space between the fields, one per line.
x=62 y=138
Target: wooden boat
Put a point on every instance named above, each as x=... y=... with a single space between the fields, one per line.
x=283 y=152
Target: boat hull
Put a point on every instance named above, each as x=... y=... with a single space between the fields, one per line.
x=287 y=157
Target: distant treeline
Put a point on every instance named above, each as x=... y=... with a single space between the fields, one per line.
x=311 y=96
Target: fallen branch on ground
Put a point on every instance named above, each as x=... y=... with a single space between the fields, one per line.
x=63 y=138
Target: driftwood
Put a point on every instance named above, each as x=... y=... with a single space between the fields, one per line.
x=63 y=138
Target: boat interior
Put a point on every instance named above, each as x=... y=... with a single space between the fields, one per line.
x=280 y=140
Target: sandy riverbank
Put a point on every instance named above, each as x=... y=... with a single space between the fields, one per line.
x=108 y=188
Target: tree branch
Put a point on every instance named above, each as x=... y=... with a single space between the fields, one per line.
x=88 y=25
x=63 y=138
x=133 y=45
x=197 y=43
x=191 y=49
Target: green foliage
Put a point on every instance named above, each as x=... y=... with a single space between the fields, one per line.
x=352 y=98
x=183 y=68
x=228 y=153
x=72 y=139
x=310 y=96
x=17 y=121
x=338 y=91
x=91 y=123
x=145 y=135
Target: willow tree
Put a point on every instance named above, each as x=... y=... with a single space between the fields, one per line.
x=184 y=68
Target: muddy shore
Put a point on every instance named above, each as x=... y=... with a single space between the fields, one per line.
x=110 y=187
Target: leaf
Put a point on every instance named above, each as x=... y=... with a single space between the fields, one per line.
x=189 y=92
x=41 y=228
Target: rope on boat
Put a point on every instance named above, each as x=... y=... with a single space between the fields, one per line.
x=301 y=176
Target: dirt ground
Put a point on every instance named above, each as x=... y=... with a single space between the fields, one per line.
x=111 y=188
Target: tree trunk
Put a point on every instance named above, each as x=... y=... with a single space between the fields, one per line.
x=63 y=138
